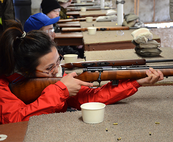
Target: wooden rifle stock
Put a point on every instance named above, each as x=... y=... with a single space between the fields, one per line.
x=98 y=29
x=111 y=63
x=31 y=90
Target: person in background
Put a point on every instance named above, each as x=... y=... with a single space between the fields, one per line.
x=64 y=4
x=52 y=9
x=34 y=54
x=40 y=21
x=6 y=13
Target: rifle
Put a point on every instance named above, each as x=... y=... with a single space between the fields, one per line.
x=102 y=29
x=73 y=20
x=111 y=63
x=31 y=90
x=97 y=28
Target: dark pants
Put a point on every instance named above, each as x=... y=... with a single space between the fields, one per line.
x=1 y=30
x=71 y=50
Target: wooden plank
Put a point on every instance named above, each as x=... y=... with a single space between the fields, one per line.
x=64 y=39
x=15 y=131
x=119 y=45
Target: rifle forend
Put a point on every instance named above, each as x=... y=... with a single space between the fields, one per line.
x=99 y=74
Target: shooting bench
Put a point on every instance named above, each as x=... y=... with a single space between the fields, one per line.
x=108 y=40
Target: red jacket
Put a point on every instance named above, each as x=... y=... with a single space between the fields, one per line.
x=55 y=98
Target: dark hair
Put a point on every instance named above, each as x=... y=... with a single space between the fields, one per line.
x=49 y=5
x=21 y=53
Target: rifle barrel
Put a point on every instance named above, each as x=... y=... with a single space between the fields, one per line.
x=155 y=61
x=104 y=63
x=111 y=63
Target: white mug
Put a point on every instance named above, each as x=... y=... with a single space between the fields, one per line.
x=83 y=9
x=89 y=19
x=70 y=58
x=92 y=30
x=93 y=112
x=78 y=1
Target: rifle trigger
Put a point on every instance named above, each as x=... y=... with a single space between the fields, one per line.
x=99 y=78
x=115 y=82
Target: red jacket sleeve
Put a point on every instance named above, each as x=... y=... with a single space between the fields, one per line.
x=107 y=94
x=12 y=109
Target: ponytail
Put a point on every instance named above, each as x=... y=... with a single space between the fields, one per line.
x=7 y=60
x=21 y=52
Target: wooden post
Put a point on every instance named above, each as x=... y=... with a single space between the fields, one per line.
x=154 y=12
x=134 y=6
x=138 y=8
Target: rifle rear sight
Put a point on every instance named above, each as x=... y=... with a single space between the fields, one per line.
x=93 y=64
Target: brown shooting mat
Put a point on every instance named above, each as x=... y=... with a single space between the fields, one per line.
x=146 y=116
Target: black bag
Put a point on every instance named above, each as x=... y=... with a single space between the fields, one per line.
x=148 y=52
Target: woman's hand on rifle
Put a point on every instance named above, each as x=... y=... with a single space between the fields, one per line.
x=74 y=85
x=152 y=77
